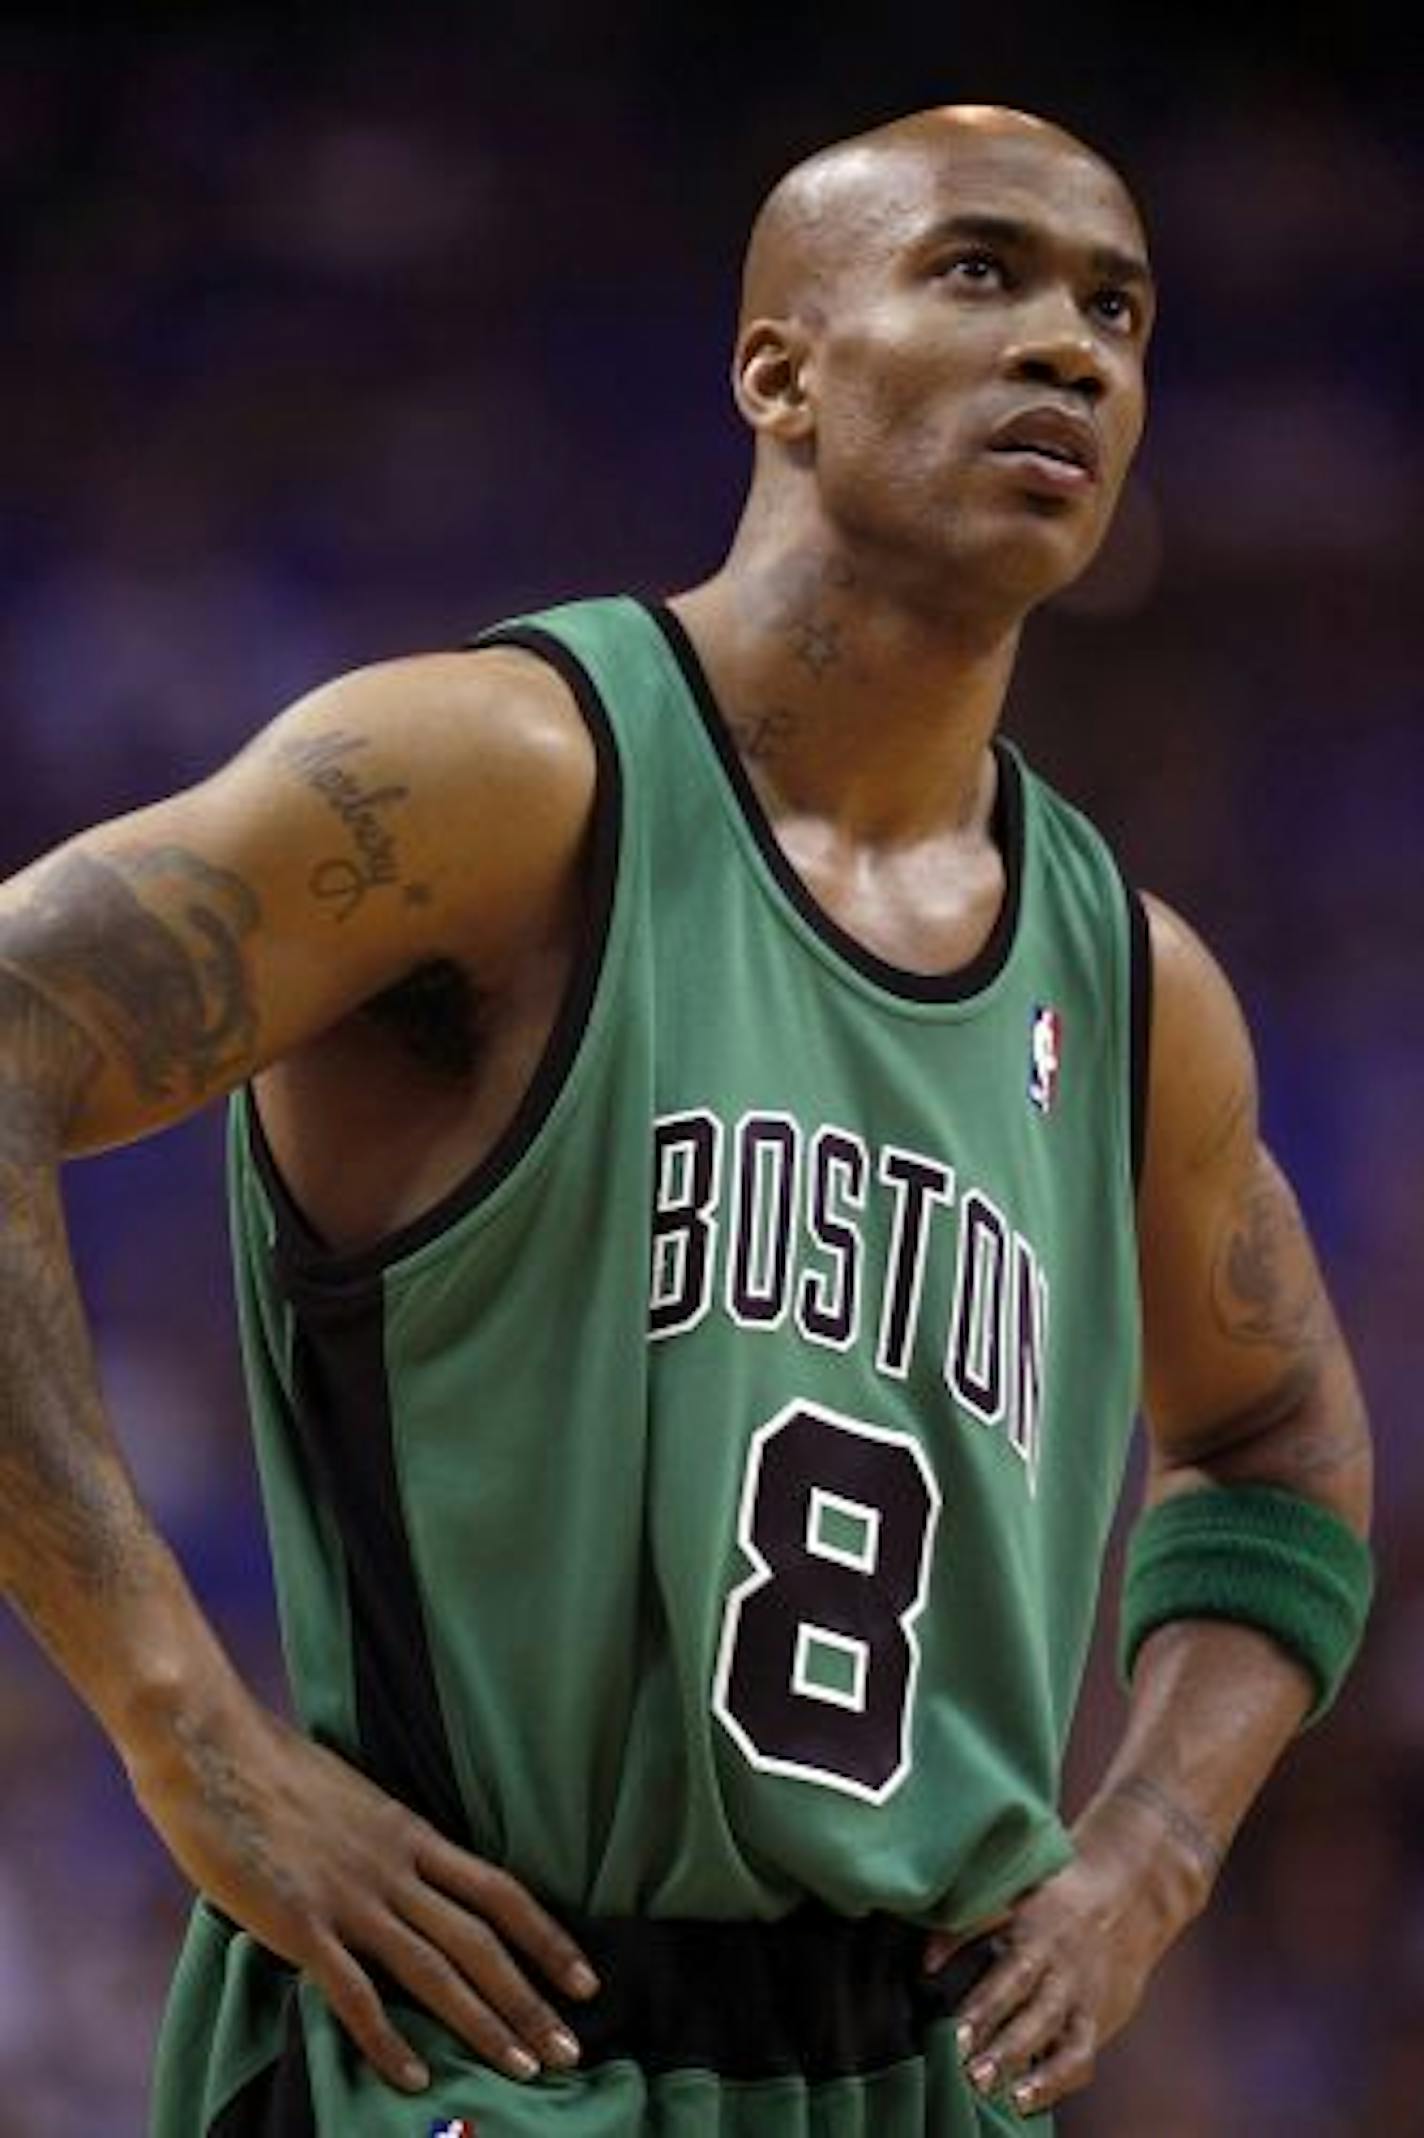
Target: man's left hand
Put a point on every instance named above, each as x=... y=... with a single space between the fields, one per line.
x=1073 y=1958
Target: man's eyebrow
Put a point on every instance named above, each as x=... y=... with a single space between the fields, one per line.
x=1110 y=261
x=1118 y=266
x=993 y=229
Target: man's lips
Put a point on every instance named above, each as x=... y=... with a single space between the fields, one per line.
x=1062 y=446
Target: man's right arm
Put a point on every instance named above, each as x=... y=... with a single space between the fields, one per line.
x=435 y=808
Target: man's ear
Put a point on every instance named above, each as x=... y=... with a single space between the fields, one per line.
x=771 y=376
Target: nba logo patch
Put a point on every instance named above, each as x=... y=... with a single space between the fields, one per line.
x=1045 y=1056
x=457 y=2127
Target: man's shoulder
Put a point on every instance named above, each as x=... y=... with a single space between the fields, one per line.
x=491 y=726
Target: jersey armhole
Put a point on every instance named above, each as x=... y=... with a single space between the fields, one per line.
x=303 y=1257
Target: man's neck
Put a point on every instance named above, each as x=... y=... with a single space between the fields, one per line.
x=846 y=705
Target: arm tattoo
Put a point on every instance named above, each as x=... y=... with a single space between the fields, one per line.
x=164 y=986
x=1286 y=1438
x=48 y=1065
x=227 y=1795
x=70 y=1518
x=1264 y=1289
x=1189 y=1833
x=342 y=881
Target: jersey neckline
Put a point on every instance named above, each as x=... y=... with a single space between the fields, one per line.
x=958 y=984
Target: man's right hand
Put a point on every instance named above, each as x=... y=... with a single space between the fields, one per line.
x=333 y=1875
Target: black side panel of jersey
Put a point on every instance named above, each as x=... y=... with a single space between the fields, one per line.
x=343 y=1418
x=278 y=2102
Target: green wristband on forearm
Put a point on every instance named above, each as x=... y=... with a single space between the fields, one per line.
x=1260 y=1557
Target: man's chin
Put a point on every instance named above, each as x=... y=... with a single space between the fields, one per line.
x=1014 y=565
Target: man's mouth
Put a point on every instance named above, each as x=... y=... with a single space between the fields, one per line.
x=1057 y=445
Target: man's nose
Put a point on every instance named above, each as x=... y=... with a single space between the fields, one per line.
x=1055 y=346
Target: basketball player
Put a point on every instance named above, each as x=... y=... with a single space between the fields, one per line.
x=718 y=1153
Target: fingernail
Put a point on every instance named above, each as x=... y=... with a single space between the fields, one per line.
x=984 y=2074
x=563 y=2050
x=582 y=1981
x=1023 y=2096
x=963 y=2039
x=520 y=2064
x=414 y=2076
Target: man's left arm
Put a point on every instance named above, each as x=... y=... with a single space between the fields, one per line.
x=1248 y=1577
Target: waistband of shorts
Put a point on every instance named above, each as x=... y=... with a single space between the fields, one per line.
x=813 y=1994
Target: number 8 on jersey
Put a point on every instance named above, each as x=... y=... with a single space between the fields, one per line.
x=818 y=1658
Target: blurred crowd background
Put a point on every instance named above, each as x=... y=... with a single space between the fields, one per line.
x=330 y=339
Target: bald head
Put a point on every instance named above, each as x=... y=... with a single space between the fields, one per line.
x=855 y=196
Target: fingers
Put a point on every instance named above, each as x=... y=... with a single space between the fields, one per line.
x=439 y=1931
x=444 y=1932
x=455 y=1968
x=337 y=1878
x=501 y=1900
x=1021 y=2031
x=441 y=1989
x=997 y=1996
x=1066 y=2069
x=349 y=1991
x=468 y=1979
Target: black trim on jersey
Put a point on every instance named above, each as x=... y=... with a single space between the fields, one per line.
x=1139 y=1022
x=1006 y=827
x=342 y=1424
x=820 y=1995
x=278 y=2102
x=305 y=1251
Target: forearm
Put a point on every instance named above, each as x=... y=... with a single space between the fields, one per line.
x=1213 y=1707
x=79 y=1558
x=1219 y=1691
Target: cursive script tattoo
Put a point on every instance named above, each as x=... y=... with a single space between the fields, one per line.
x=145 y=951
x=343 y=881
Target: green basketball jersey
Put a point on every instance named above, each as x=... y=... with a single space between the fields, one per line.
x=703 y=1508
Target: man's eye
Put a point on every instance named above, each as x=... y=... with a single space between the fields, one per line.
x=978 y=267
x=1118 y=307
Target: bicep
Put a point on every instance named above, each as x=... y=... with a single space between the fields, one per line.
x=1246 y=1376
x=428 y=809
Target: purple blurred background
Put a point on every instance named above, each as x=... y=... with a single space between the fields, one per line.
x=329 y=342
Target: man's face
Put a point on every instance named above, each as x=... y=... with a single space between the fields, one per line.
x=976 y=364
